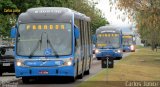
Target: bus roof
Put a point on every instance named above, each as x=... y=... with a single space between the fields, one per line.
x=128 y=34
x=108 y=29
x=53 y=14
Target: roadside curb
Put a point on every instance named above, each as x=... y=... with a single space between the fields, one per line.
x=10 y=81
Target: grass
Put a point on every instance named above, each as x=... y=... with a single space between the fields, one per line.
x=139 y=46
x=142 y=65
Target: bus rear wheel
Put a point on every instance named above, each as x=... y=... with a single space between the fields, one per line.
x=81 y=75
x=87 y=72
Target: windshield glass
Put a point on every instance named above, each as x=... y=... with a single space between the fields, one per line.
x=127 y=40
x=38 y=39
x=108 y=40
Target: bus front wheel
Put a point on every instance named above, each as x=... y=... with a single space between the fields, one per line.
x=0 y=73
x=72 y=79
x=25 y=80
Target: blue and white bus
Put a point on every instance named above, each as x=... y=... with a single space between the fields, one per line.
x=52 y=41
x=128 y=43
x=108 y=43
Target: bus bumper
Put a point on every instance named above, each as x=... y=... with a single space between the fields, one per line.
x=45 y=71
x=109 y=53
x=118 y=56
x=128 y=49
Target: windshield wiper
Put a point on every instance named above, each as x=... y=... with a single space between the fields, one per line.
x=54 y=51
x=32 y=52
x=38 y=43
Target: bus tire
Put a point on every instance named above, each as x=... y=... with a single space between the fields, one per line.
x=81 y=75
x=25 y=80
x=118 y=58
x=133 y=51
x=1 y=73
x=98 y=58
x=87 y=72
x=72 y=79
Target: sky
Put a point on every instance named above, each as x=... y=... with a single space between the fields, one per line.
x=114 y=17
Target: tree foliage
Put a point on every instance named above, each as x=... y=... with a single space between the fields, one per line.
x=147 y=17
x=7 y=20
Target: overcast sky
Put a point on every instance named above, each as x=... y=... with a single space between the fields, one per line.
x=112 y=16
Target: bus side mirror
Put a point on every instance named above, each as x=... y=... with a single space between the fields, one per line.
x=94 y=39
x=13 y=32
x=2 y=51
x=76 y=33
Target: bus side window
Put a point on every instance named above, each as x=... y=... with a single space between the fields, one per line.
x=77 y=41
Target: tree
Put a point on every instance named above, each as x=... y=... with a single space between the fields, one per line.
x=147 y=17
x=7 y=20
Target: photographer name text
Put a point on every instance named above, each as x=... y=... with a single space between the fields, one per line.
x=142 y=84
x=11 y=10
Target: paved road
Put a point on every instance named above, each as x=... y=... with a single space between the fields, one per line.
x=96 y=67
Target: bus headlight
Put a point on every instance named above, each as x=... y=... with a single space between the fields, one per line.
x=132 y=47
x=97 y=51
x=68 y=62
x=118 y=51
x=19 y=63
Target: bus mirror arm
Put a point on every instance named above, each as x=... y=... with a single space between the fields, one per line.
x=2 y=51
x=13 y=32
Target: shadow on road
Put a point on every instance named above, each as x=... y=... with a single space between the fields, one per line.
x=51 y=80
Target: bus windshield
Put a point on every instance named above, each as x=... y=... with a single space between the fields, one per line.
x=36 y=38
x=108 y=40
x=127 y=40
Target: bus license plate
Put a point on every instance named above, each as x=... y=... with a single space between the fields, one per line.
x=43 y=72
x=6 y=64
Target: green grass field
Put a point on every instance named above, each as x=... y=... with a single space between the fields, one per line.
x=142 y=65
